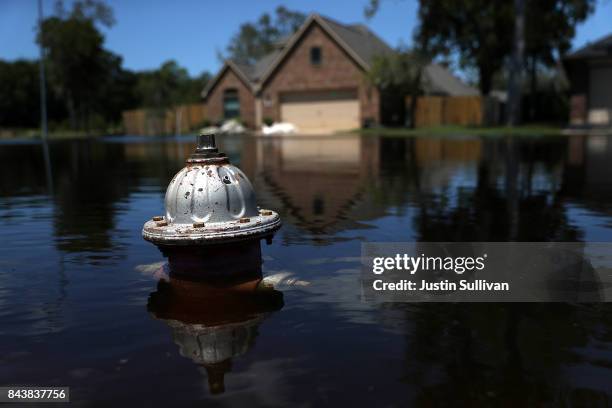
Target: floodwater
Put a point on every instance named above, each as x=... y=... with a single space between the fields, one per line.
x=84 y=301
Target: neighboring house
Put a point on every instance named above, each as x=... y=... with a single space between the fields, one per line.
x=315 y=80
x=589 y=70
x=438 y=80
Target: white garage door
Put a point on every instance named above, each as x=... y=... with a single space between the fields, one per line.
x=321 y=112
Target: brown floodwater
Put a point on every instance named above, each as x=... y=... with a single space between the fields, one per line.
x=85 y=302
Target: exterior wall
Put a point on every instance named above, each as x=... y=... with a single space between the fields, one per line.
x=590 y=90
x=600 y=94
x=214 y=101
x=258 y=112
x=578 y=73
x=337 y=71
x=578 y=109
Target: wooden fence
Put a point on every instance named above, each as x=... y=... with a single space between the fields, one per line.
x=183 y=118
x=455 y=110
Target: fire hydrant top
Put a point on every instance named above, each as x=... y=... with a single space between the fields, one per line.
x=210 y=201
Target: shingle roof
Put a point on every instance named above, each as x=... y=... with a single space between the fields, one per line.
x=360 y=39
x=255 y=71
x=599 y=48
x=362 y=44
x=262 y=65
x=246 y=70
x=439 y=80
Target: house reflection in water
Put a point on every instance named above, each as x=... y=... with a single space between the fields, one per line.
x=464 y=188
x=317 y=181
x=330 y=184
x=588 y=172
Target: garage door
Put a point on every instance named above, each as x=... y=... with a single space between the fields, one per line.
x=321 y=112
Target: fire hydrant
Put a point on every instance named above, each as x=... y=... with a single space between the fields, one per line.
x=211 y=215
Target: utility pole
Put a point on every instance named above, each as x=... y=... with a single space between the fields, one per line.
x=43 y=102
x=516 y=65
x=41 y=65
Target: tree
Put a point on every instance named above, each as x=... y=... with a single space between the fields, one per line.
x=168 y=86
x=482 y=32
x=477 y=30
x=470 y=28
x=19 y=106
x=117 y=91
x=543 y=32
x=76 y=60
x=254 y=40
x=399 y=74
x=20 y=96
x=544 y=46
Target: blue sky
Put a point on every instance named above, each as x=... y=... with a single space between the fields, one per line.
x=149 y=32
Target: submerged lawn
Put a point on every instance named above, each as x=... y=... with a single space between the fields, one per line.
x=456 y=130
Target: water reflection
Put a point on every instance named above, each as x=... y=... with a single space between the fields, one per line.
x=460 y=190
x=474 y=189
x=67 y=259
x=317 y=183
x=511 y=355
x=212 y=323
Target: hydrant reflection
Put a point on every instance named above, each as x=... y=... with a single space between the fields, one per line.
x=211 y=322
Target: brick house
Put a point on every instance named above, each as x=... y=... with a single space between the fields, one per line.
x=589 y=70
x=314 y=79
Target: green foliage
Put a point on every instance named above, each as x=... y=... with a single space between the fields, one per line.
x=461 y=131
x=77 y=64
x=551 y=26
x=86 y=10
x=398 y=75
x=20 y=96
x=254 y=40
x=19 y=105
x=168 y=86
x=87 y=86
x=481 y=32
x=400 y=71
x=204 y=124
x=268 y=121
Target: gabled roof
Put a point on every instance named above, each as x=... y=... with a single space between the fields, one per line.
x=262 y=65
x=242 y=71
x=439 y=80
x=599 y=48
x=360 y=39
x=357 y=40
x=361 y=44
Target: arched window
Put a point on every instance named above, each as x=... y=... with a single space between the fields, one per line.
x=231 y=104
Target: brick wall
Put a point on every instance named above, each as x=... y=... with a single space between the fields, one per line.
x=214 y=102
x=578 y=109
x=336 y=71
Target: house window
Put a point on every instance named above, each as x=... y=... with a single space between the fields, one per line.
x=231 y=104
x=315 y=56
